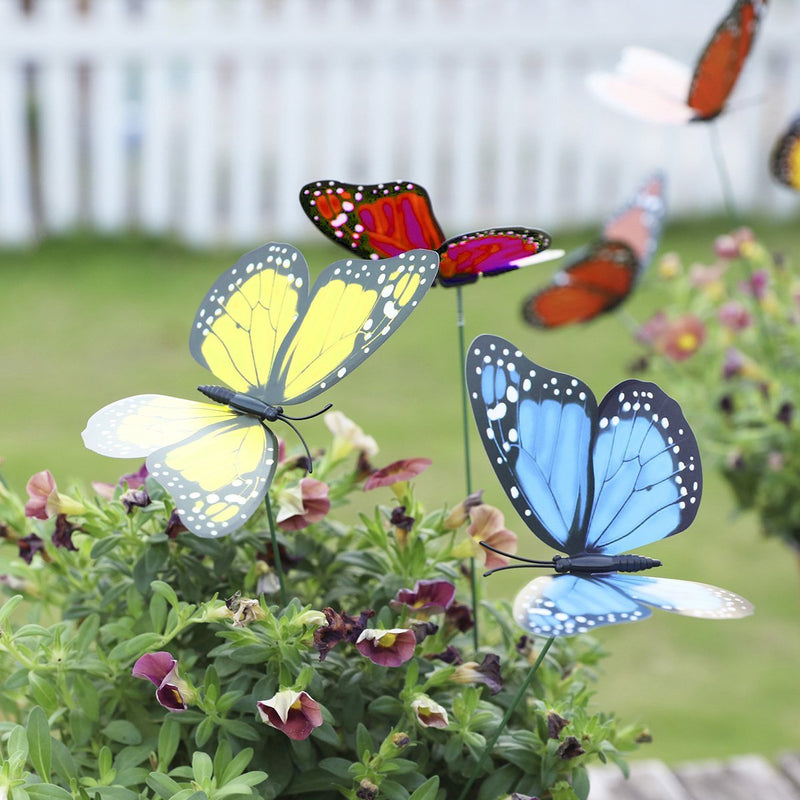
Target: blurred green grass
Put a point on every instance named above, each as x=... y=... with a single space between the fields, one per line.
x=87 y=320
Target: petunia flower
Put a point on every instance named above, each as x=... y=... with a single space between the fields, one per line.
x=460 y=513
x=62 y=533
x=487 y=524
x=734 y=316
x=397 y=471
x=487 y=673
x=388 y=648
x=161 y=669
x=45 y=501
x=302 y=505
x=756 y=285
x=174 y=525
x=347 y=436
x=429 y=713
x=427 y=595
x=729 y=245
x=29 y=546
x=294 y=713
x=460 y=617
x=683 y=338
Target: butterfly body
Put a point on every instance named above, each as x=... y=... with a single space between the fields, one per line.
x=275 y=340
x=592 y=480
x=384 y=219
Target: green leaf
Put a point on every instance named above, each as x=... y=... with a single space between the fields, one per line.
x=392 y=790
x=427 y=791
x=235 y=767
x=8 y=607
x=202 y=767
x=43 y=692
x=363 y=742
x=104 y=546
x=166 y=591
x=122 y=731
x=163 y=785
x=87 y=698
x=80 y=727
x=241 y=729
x=203 y=732
x=38 y=730
x=17 y=750
x=340 y=767
x=169 y=737
x=47 y=791
x=64 y=764
x=85 y=636
x=580 y=782
x=158 y=613
x=499 y=783
x=135 y=647
x=114 y=793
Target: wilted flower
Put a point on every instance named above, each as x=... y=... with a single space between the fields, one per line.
x=785 y=413
x=570 y=748
x=302 y=505
x=429 y=714
x=487 y=524
x=427 y=595
x=134 y=498
x=174 y=525
x=400 y=519
x=161 y=669
x=397 y=471
x=389 y=648
x=555 y=724
x=449 y=655
x=294 y=713
x=340 y=627
x=347 y=436
x=62 y=533
x=367 y=790
x=45 y=501
x=460 y=513
x=459 y=616
x=683 y=338
x=29 y=546
x=243 y=610
x=487 y=673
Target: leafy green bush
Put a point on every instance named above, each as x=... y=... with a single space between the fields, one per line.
x=364 y=684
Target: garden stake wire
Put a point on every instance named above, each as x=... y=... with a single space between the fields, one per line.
x=722 y=171
x=509 y=711
x=462 y=355
x=276 y=553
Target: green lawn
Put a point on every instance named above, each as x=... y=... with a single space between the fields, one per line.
x=86 y=321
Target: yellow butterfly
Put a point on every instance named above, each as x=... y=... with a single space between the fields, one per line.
x=262 y=331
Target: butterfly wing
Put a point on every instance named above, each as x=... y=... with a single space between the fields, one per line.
x=563 y=605
x=374 y=221
x=646 y=466
x=490 y=252
x=536 y=426
x=784 y=162
x=594 y=280
x=638 y=224
x=647 y=85
x=215 y=463
x=722 y=59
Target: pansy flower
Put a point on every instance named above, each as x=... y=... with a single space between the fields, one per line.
x=302 y=505
x=161 y=669
x=397 y=471
x=428 y=596
x=294 y=713
x=388 y=648
x=429 y=713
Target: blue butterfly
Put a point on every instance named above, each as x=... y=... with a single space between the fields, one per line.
x=591 y=482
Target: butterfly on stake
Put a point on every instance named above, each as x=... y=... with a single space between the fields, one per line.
x=596 y=279
x=274 y=340
x=784 y=161
x=384 y=219
x=592 y=482
x=656 y=88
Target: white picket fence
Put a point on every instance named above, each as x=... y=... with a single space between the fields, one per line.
x=204 y=117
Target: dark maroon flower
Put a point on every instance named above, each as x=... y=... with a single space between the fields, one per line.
x=388 y=648
x=449 y=655
x=570 y=748
x=161 y=669
x=288 y=560
x=459 y=617
x=726 y=404
x=423 y=629
x=294 y=713
x=62 y=533
x=367 y=790
x=555 y=724
x=397 y=471
x=785 y=413
x=134 y=498
x=487 y=673
x=427 y=595
x=340 y=627
x=174 y=525
x=400 y=519
x=29 y=546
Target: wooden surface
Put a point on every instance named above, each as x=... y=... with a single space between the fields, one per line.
x=742 y=778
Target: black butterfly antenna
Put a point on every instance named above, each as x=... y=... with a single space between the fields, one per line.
x=527 y=562
x=288 y=419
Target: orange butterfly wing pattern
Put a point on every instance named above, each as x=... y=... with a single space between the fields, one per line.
x=723 y=58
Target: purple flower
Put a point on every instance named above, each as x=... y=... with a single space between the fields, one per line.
x=62 y=533
x=161 y=669
x=428 y=596
x=389 y=648
x=756 y=285
x=294 y=713
x=734 y=316
x=397 y=471
x=29 y=546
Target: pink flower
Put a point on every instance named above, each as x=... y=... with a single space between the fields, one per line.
x=487 y=524
x=683 y=338
x=397 y=471
x=429 y=596
x=728 y=245
x=652 y=330
x=44 y=499
x=735 y=316
x=429 y=713
x=162 y=670
x=389 y=648
x=134 y=480
x=734 y=363
x=702 y=276
x=756 y=285
x=306 y=503
x=294 y=713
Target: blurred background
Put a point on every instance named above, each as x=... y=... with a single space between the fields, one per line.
x=145 y=144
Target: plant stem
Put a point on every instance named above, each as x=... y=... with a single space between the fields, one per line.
x=276 y=553
x=462 y=355
x=509 y=711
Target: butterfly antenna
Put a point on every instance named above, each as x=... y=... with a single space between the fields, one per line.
x=527 y=562
x=300 y=437
x=310 y=416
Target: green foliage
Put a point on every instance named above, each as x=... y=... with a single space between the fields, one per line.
x=92 y=730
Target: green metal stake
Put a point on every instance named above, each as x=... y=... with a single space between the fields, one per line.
x=276 y=553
